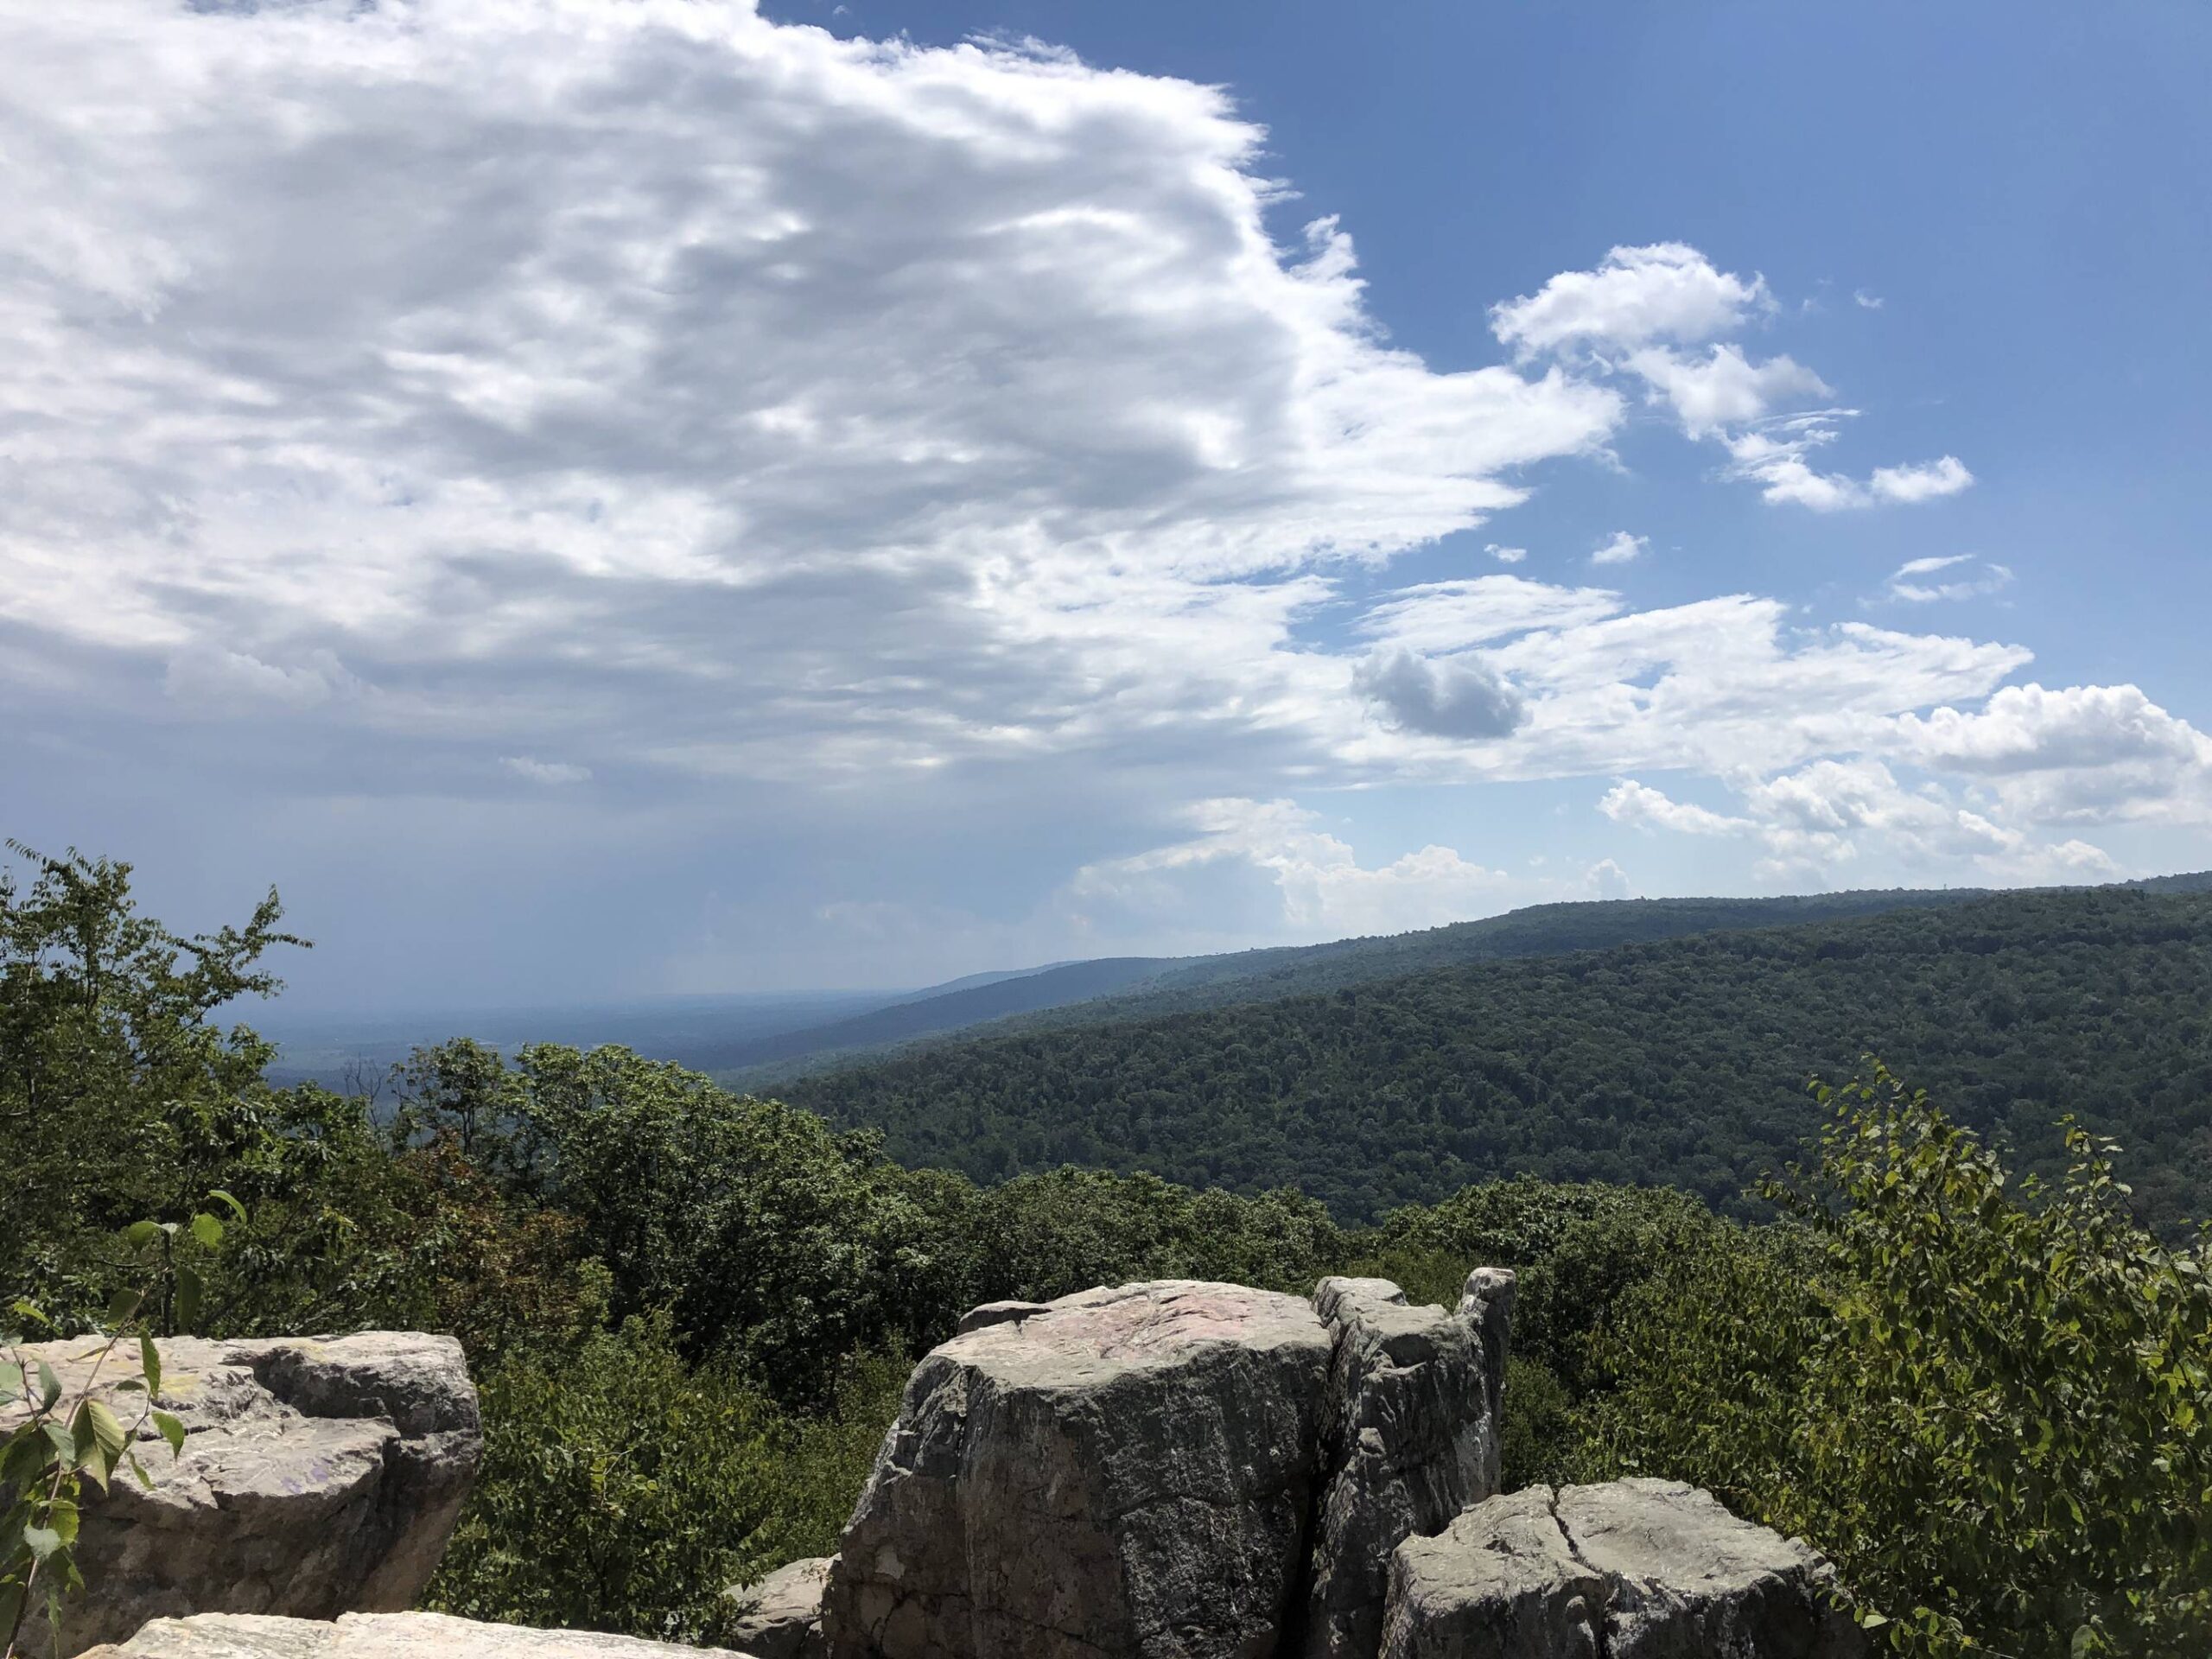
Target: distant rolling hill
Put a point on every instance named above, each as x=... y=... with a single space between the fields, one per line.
x=952 y=1010
x=1137 y=986
x=1679 y=1061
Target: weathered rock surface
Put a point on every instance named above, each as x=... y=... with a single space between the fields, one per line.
x=1486 y=1299
x=1633 y=1569
x=1684 y=1576
x=1127 y=1472
x=1501 y=1581
x=379 y=1636
x=785 y=1622
x=318 y=1477
x=1411 y=1439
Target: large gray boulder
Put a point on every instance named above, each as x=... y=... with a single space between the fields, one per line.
x=1502 y=1581
x=1684 y=1576
x=1410 y=1440
x=1127 y=1472
x=379 y=1636
x=1632 y=1569
x=784 y=1616
x=318 y=1476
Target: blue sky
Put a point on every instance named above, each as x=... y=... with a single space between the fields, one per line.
x=599 y=500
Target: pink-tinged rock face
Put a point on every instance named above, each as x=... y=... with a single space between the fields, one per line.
x=1134 y=1327
x=1125 y=1472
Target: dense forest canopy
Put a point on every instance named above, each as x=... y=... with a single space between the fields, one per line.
x=1680 y=1063
x=1134 y=988
x=690 y=1312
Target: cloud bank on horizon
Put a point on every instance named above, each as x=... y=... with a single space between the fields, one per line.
x=610 y=404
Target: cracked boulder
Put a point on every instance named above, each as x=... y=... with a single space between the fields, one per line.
x=1123 y=1471
x=381 y=1636
x=1410 y=1440
x=1631 y=1569
x=318 y=1477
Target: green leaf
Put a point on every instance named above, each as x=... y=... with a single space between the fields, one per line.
x=236 y=1209
x=42 y=1540
x=123 y=1305
x=11 y=1379
x=63 y=1442
x=107 y=1431
x=149 y=1361
x=49 y=1386
x=207 y=1229
x=190 y=1287
x=172 y=1430
x=139 y=1470
x=139 y=1234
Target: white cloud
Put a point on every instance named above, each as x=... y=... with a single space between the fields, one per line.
x=752 y=403
x=545 y=771
x=1440 y=616
x=1929 y=481
x=210 y=680
x=1664 y=291
x=1775 y=454
x=1865 y=301
x=1606 y=879
x=1620 y=548
x=1820 y=823
x=1725 y=388
x=2082 y=754
x=1455 y=697
x=2028 y=728
x=1505 y=555
x=1642 y=807
x=1636 y=311
x=1325 y=892
x=1908 y=582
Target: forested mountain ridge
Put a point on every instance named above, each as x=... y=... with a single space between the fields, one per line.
x=1133 y=987
x=1681 y=1062
x=965 y=1004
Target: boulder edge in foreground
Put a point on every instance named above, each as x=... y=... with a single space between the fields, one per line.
x=318 y=1476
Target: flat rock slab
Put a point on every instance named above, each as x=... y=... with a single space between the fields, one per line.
x=1631 y=1569
x=377 y=1635
x=1123 y=1471
x=318 y=1477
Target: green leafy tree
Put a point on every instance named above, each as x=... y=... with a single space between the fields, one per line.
x=120 y=1094
x=1992 y=1407
x=663 y=1486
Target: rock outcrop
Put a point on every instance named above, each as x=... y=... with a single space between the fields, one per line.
x=1127 y=1472
x=1632 y=1569
x=317 y=1476
x=785 y=1620
x=1410 y=1440
x=381 y=1636
x=1167 y=1470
